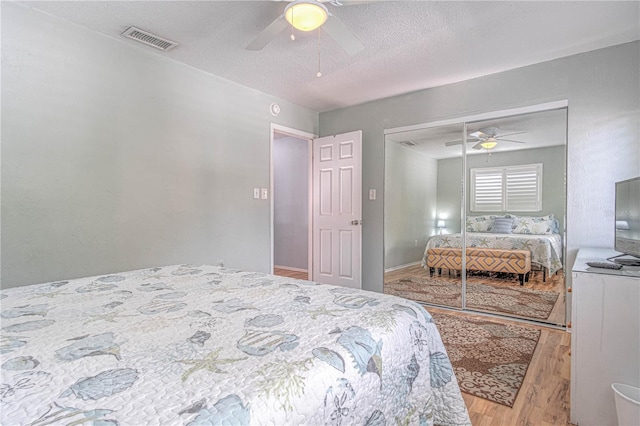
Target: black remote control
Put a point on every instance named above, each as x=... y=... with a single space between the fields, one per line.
x=604 y=265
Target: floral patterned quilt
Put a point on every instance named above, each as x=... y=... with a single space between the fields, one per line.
x=205 y=346
x=546 y=250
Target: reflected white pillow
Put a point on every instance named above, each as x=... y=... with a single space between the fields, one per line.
x=479 y=223
x=541 y=225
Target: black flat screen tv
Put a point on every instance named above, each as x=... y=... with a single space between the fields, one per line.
x=628 y=221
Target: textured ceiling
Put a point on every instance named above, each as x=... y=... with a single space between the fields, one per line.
x=409 y=45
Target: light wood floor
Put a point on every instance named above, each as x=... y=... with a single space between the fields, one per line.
x=544 y=396
x=291 y=274
x=554 y=283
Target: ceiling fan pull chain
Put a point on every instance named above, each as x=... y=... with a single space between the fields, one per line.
x=293 y=36
x=319 y=74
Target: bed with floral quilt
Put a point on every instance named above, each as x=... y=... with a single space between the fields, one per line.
x=546 y=250
x=186 y=345
x=539 y=235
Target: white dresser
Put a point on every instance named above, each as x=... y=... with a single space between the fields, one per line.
x=605 y=339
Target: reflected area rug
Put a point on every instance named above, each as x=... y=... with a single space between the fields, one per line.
x=490 y=359
x=513 y=300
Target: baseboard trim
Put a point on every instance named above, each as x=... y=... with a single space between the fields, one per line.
x=291 y=268
x=395 y=268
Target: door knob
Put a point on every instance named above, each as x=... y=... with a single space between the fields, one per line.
x=356 y=222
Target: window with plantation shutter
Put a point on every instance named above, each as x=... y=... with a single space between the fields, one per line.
x=523 y=188
x=487 y=190
x=507 y=189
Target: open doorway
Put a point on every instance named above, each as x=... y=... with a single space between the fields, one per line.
x=328 y=214
x=292 y=202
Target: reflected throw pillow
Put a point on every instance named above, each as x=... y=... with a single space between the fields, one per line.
x=502 y=225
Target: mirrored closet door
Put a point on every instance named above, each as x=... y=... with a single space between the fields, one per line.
x=423 y=207
x=488 y=215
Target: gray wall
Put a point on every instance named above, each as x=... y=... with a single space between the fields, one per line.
x=553 y=177
x=450 y=193
x=410 y=204
x=126 y=159
x=603 y=91
x=115 y=158
x=291 y=202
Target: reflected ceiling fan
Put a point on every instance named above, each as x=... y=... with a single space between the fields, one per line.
x=487 y=138
x=307 y=15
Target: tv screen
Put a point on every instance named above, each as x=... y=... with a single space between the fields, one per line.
x=628 y=217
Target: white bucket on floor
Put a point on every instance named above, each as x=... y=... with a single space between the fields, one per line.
x=627 y=404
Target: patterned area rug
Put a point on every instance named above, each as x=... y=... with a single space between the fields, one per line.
x=514 y=300
x=490 y=360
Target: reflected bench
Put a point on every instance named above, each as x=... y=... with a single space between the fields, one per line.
x=481 y=259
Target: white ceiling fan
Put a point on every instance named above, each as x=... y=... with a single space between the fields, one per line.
x=487 y=138
x=307 y=15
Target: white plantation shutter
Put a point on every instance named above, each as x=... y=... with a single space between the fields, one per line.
x=523 y=188
x=507 y=189
x=487 y=190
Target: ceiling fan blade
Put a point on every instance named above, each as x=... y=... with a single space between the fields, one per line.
x=510 y=140
x=478 y=145
x=459 y=142
x=268 y=34
x=479 y=135
x=510 y=134
x=343 y=35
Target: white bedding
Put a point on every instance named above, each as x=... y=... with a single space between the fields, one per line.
x=205 y=345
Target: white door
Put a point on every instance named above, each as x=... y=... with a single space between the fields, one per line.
x=337 y=209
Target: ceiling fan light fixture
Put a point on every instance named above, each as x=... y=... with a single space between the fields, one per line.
x=489 y=143
x=306 y=15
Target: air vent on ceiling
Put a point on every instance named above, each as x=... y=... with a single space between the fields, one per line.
x=408 y=143
x=149 y=39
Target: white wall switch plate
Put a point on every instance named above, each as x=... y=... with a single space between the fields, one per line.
x=256 y=193
x=372 y=194
x=265 y=193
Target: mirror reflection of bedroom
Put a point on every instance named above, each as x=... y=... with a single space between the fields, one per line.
x=503 y=194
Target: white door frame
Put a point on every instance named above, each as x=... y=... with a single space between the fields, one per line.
x=309 y=137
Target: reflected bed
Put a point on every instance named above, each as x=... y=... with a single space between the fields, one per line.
x=546 y=250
